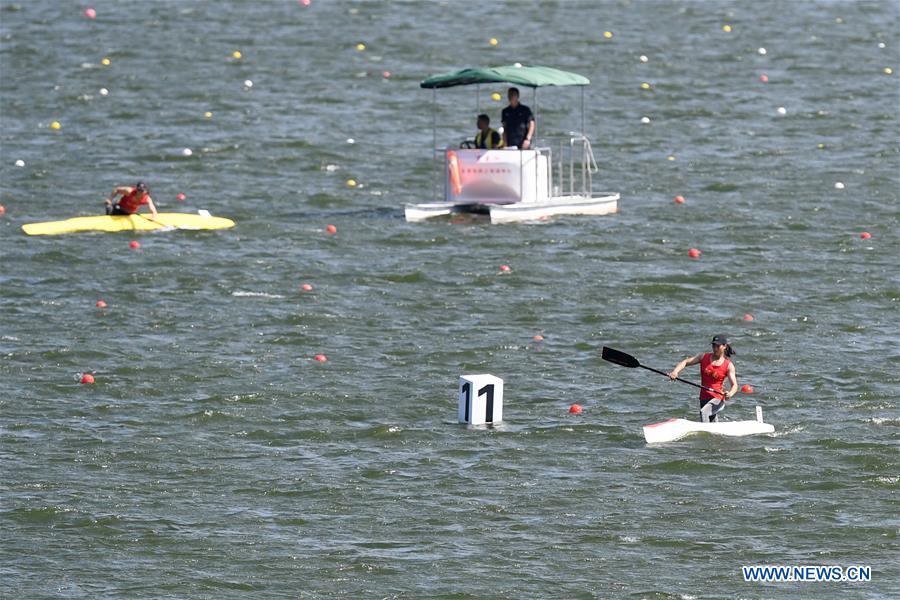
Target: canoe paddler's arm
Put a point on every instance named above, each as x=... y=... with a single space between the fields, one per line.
x=692 y=360
x=152 y=206
x=119 y=191
x=732 y=379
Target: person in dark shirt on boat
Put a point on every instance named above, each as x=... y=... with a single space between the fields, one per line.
x=518 y=122
x=714 y=369
x=132 y=198
x=487 y=138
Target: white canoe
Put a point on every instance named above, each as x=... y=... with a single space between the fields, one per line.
x=675 y=429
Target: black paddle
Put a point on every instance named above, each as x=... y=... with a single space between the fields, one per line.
x=626 y=360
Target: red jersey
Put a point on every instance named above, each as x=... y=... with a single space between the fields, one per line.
x=712 y=376
x=133 y=200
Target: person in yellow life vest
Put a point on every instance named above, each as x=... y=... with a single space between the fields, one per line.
x=487 y=138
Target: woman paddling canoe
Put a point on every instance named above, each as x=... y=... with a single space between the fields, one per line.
x=715 y=367
x=132 y=198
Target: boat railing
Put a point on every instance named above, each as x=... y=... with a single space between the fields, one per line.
x=575 y=166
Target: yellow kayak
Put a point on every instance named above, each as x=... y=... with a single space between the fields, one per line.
x=129 y=223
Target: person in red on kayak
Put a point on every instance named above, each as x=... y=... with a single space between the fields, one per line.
x=715 y=367
x=132 y=198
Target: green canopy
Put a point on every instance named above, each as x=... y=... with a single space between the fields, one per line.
x=519 y=75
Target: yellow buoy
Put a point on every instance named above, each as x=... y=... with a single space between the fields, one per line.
x=821 y=146
x=496 y=97
x=351 y=183
x=55 y=125
x=888 y=70
x=105 y=62
x=726 y=28
x=645 y=86
x=493 y=41
x=236 y=54
x=670 y=157
x=360 y=46
x=608 y=34
x=208 y=115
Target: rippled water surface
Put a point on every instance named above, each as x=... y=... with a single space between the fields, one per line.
x=215 y=458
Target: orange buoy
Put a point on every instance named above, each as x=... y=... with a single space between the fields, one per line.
x=455 y=178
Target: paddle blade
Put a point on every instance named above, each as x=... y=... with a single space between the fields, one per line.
x=620 y=358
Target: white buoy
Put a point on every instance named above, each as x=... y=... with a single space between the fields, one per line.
x=187 y=152
x=480 y=399
x=351 y=141
x=838 y=185
x=248 y=84
x=20 y=163
x=645 y=119
x=781 y=110
x=104 y=91
x=762 y=51
x=644 y=58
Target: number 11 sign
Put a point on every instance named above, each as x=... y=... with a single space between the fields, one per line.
x=480 y=399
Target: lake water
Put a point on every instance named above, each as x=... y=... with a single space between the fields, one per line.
x=215 y=458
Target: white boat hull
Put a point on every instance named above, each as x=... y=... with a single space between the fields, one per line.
x=604 y=204
x=675 y=429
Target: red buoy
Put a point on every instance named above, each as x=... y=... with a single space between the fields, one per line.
x=764 y=78
x=747 y=388
x=575 y=409
x=386 y=74
x=538 y=338
x=330 y=229
x=679 y=199
x=505 y=268
x=865 y=235
x=694 y=253
x=90 y=13
x=135 y=244
x=87 y=378
x=2 y=210
x=320 y=357
x=306 y=287
x=748 y=317
x=180 y=196
x=100 y=304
